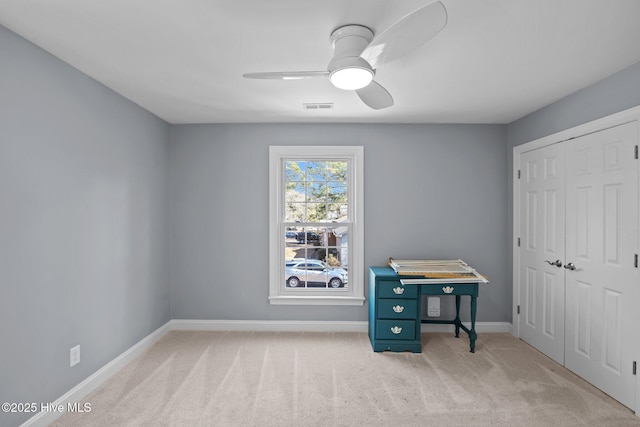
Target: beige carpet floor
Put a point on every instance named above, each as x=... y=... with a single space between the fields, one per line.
x=195 y=378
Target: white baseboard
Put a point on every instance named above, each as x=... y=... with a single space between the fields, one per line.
x=269 y=325
x=316 y=326
x=98 y=378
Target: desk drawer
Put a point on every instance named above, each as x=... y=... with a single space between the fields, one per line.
x=395 y=308
x=450 y=289
x=395 y=289
x=396 y=329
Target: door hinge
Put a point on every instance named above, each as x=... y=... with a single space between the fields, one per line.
x=518 y=242
x=519 y=169
x=635 y=261
x=634 y=367
x=518 y=309
x=636 y=152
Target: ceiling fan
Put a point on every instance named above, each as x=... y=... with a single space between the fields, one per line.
x=358 y=53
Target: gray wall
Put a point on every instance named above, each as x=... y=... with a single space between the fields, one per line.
x=83 y=200
x=431 y=191
x=616 y=93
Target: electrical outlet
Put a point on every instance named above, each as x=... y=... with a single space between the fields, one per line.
x=74 y=356
x=433 y=306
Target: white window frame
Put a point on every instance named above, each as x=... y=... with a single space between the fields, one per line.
x=278 y=293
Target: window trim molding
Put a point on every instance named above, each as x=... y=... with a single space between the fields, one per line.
x=355 y=294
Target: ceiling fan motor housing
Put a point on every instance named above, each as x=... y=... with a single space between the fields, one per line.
x=348 y=43
x=350 y=40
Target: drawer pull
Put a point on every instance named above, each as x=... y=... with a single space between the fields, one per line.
x=447 y=289
x=396 y=330
x=398 y=290
x=398 y=309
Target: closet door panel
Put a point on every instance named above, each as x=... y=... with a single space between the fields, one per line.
x=601 y=241
x=542 y=243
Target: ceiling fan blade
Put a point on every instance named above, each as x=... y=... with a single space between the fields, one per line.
x=406 y=35
x=286 y=75
x=375 y=96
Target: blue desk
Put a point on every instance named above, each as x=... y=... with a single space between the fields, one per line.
x=395 y=309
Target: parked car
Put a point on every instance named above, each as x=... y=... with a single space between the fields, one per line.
x=314 y=272
x=311 y=237
x=291 y=235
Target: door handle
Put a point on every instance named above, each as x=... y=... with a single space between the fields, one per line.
x=557 y=263
x=570 y=266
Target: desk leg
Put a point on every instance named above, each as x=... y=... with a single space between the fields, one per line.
x=457 y=320
x=472 y=333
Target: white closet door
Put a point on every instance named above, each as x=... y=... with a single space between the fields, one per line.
x=601 y=240
x=542 y=213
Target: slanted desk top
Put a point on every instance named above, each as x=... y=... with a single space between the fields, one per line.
x=436 y=271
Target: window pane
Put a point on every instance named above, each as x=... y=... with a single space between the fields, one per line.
x=316 y=212
x=337 y=171
x=316 y=257
x=295 y=212
x=337 y=192
x=315 y=191
x=310 y=273
x=316 y=171
x=295 y=191
x=294 y=171
x=336 y=212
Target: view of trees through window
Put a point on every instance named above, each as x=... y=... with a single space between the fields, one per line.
x=316 y=223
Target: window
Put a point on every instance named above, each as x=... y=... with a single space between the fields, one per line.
x=316 y=234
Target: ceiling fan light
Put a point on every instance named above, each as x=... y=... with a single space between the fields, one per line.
x=351 y=78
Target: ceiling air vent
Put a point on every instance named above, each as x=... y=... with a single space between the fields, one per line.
x=318 y=106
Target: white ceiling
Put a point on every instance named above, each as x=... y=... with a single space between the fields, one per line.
x=494 y=62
